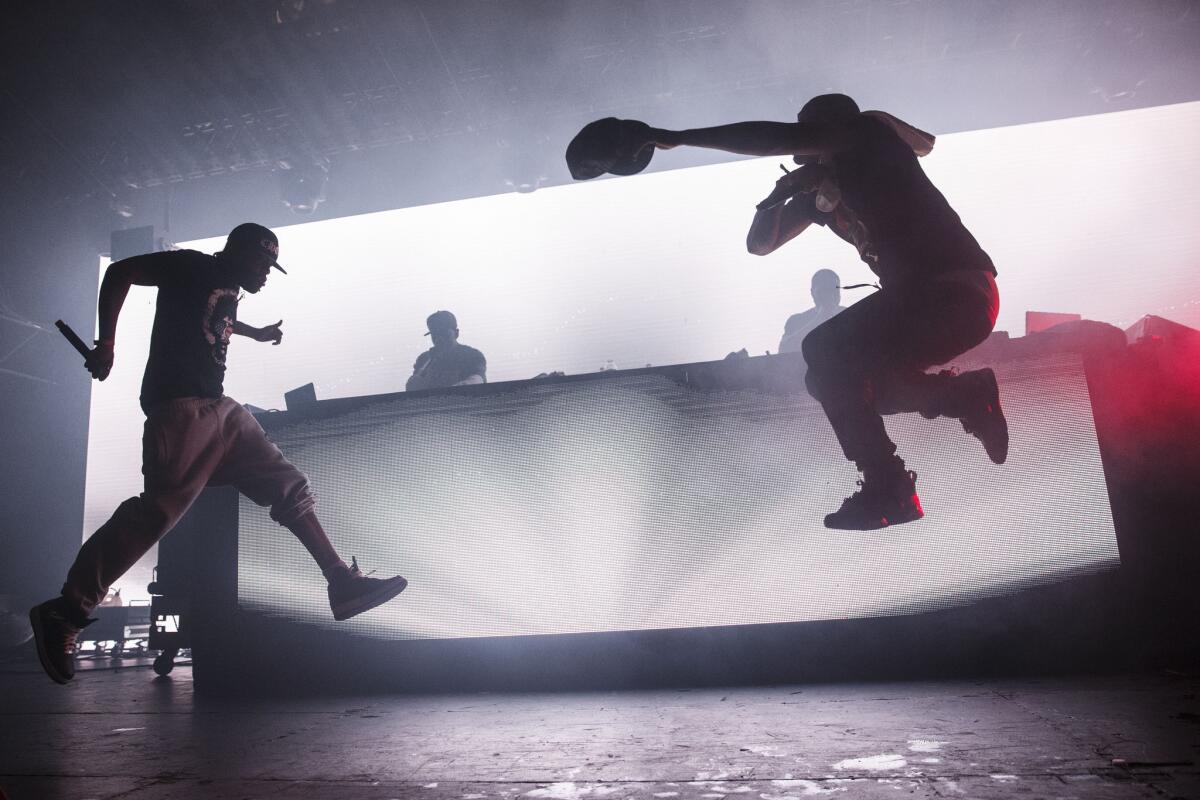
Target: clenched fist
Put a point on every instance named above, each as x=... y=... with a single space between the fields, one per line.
x=100 y=361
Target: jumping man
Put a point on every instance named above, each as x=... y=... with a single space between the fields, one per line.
x=860 y=177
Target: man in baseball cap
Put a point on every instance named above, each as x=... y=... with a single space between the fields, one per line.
x=249 y=237
x=194 y=435
x=860 y=178
x=447 y=363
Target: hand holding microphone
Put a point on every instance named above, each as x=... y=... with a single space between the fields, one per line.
x=98 y=360
x=804 y=180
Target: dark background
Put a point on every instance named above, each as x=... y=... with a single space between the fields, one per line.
x=195 y=116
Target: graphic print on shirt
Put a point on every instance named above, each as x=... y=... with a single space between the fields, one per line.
x=219 y=316
x=844 y=221
x=850 y=227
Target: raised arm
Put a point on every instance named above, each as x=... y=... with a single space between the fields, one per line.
x=419 y=380
x=778 y=225
x=784 y=214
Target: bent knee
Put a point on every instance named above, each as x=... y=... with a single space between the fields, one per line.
x=817 y=350
x=297 y=501
x=813 y=384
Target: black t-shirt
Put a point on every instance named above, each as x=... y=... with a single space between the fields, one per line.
x=892 y=213
x=439 y=367
x=193 y=321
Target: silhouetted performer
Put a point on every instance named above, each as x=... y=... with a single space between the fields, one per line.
x=447 y=363
x=195 y=436
x=859 y=176
x=826 y=294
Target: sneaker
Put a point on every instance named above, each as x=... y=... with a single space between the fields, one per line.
x=351 y=592
x=56 y=634
x=878 y=504
x=985 y=419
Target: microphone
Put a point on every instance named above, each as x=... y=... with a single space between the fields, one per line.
x=810 y=177
x=74 y=339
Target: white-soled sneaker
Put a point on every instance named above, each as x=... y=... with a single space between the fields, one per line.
x=351 y=592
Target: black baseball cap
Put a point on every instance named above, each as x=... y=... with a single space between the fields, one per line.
x=442 y=321
x=606 y=145
x=252 y=236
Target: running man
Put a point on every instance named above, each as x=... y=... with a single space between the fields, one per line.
x=194 y=436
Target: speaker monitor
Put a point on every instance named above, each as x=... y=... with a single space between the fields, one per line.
x=300 y=396
x=131 y=242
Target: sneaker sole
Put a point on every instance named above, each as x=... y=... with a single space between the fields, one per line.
x=834 y=526
x=914 y=513
x=35 y=622
x=884 y=523
x=369 y=601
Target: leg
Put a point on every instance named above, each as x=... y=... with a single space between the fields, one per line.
x=181 y=447
x=870 y=359
x=845 y=355
x=257 y=468
x=963 y=313
x=261 y=472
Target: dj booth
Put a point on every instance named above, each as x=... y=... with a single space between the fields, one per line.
x=651 y=526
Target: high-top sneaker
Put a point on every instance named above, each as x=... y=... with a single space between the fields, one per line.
x=883 y=500
x=56 y=630
x=351 y=592
x=982 y=416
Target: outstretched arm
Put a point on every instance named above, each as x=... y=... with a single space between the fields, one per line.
x=757 y=138
x=271 y=333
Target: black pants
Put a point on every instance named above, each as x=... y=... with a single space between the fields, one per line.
x=871 y=358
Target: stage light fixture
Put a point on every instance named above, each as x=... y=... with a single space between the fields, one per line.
x=302 y=188
x=526 y=183
x=525 y=159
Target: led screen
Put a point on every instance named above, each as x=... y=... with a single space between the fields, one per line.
x=631 y=502
x=1091 y=215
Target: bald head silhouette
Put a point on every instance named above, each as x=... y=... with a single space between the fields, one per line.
x=826 y=289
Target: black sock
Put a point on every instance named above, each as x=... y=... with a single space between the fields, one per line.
x=884 y=470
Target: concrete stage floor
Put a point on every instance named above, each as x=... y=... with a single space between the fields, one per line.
x=127 y=734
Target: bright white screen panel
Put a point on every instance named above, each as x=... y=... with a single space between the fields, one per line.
x=1092 y=215
x=630 y=502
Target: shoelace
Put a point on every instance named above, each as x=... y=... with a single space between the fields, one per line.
x=354 y=570
x=866 y=493
x=70 y=635
x=858 y=497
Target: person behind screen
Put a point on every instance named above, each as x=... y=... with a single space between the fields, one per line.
x=826 y=294
x=194 y=437
x=860 y=177
x=447 y=363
